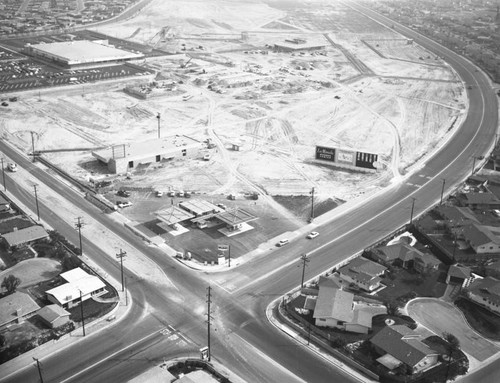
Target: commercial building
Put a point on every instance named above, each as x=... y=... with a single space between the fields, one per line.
x=80 y=53
x=124 y=157
x=298 y=44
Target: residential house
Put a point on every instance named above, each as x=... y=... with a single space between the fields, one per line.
x=336 y=308
x=363 y=273
x=25 y=236
x=459 y=275
x=486 y=292
x=406 y=256
x=480 y=239
x=53 y=315
x=455 y=216
x=425 y=262
x=481 y=201
x=398 y=345
x=15 y=308
x=80 y=286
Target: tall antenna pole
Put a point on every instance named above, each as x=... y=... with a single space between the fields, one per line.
x=209 y=301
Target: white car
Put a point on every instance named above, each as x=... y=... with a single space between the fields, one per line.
x=12 y=166
x=283 y=242
x=124 y=204
x=312 y=234
x=159 y=194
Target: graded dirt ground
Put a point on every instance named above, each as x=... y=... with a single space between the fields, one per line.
x=366 y=88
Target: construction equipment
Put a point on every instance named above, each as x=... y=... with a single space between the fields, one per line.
x=185 y=64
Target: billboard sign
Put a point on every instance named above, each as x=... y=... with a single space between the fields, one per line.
x=366 y=160
x=346 y=157
x=324 y=153
x=222 y=247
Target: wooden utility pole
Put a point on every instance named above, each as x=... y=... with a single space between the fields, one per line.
x=312 y=204
x=209 y=317
x=79 y=224
x=442 y=192
x=305 y=261
x=412 y=207
x=33 y=145
x=120 y=255
x=3 y=176
x=36 y=201
x=81 y=310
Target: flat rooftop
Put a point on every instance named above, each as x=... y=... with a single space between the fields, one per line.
x=173 y=215
x=84 y=51
x=199 y=206
x=235 y=216
x=138 y=150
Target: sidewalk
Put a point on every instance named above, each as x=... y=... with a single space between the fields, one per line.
x=288 y=329
x=91 y=329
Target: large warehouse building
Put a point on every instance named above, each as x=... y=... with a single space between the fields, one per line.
x=80 y=53
x=122 y=158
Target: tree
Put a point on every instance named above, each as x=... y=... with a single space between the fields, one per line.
x=69 y=262
x=10 y=283
x=452 y=340
x=392 y=308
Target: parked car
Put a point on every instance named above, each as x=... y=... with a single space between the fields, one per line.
x=12 y=166
x=283 y=242
x=221 y=205
x=123 y=204
x=159 y=193
x=123 y=193
x=312 y=234
x=496 y=212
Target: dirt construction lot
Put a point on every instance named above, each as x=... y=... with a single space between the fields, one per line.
x=355 y=85
x=441 y=317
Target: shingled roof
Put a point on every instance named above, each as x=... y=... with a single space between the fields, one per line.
x=402 y=343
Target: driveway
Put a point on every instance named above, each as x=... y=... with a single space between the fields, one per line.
x=440 y=317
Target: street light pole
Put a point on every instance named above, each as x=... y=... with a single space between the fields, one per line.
x=412 y=207
x=39 y=367
x=442 y=192
x=36 y=201
x=229 y=252
x=158 y=116
x=3 y=176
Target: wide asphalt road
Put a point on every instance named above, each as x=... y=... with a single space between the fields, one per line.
x=244 y=340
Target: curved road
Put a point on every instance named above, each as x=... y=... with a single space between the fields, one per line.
x=244 y=340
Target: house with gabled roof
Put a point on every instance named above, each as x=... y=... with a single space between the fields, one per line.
x=459 y=275
x=479 y=200
x=456 y=216
x=25 y=236
x=486 y=292
x=15 y=308
x=53 y=315
x=398 y=345
x=480 y=239
x=336 y=308
x=363 y=273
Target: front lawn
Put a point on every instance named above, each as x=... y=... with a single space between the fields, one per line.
x=480 y=319
x=404 y=283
